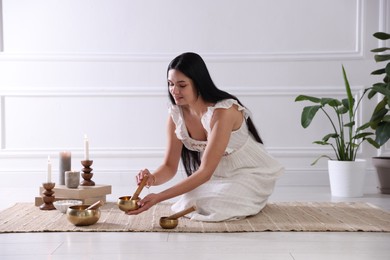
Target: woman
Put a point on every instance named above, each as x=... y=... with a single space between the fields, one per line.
x=230 y=175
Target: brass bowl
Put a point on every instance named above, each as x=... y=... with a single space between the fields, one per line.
x=168 y=223
x=79 y=216
x=125 y=203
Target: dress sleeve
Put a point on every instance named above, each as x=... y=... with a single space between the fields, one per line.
x=226 y=103
x=175 y=113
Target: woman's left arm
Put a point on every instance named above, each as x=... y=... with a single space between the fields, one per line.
x=224 y=121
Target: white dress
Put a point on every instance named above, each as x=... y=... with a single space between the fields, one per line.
x=243 y=180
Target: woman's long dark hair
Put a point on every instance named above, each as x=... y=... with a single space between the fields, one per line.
x=193 y=66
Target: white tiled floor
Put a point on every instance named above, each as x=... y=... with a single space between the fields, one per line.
x=262 y=245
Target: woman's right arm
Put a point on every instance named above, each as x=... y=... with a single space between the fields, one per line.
x=167 y=170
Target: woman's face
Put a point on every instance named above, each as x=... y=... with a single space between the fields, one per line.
x=181 y=88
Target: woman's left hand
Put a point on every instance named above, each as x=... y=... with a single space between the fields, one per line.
x=144 y=204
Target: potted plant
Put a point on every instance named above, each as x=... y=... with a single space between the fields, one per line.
x=380 y=119
x=346 y=173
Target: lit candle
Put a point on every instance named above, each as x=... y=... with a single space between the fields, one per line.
x=48 y=170
x=86 y=148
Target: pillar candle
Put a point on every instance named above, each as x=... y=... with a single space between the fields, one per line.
x=86 y=148
x=65 y=165
x=48 y=170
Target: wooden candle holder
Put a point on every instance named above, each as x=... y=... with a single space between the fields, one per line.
x=86 y=173
x=48 y=197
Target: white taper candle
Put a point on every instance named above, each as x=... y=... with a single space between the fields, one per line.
x=86 y=148
x=48 y=169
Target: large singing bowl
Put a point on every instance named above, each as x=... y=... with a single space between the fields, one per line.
x=79 y=216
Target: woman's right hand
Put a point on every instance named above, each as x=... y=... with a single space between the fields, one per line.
x=145 y=173
x=144 y=204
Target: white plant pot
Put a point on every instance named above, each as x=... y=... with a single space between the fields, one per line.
x=347 y=177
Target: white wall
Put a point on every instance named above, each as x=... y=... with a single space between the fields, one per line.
x=98 y=67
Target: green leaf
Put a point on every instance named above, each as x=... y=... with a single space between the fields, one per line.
x=382 y=57
x=379 y=85
x=345 y=102
x=362 y=127
x=308 y=114
x=381 y=88
x=386 y=118
x=322 y=156
x=328 y=136
x=387 y=69
x=373 y=143
x=350 y=124
x=380 y=49
x=382 y=133
x=347 y=105
x=353 y=145
x=371 y=94
x=321 y=143
x=307 y=98
x=349 y=93
x=382 y=35
x=362 y=135
x=378 y=72
x=342 y=110
x=330 y=101
x=379 y=112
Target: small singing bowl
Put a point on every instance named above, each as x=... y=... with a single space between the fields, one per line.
x=78 y=215
x=125 y=203
x=168 y=223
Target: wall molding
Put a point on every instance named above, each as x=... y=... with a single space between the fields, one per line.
x=166 y=57
x=235 y=56
x=1 y=27
x=254 y=56
x=117 y=91
x=251 y=56
x=37 y=91
x=2 y=123
x=154 y=152
x=384 y=17
x=77 y=152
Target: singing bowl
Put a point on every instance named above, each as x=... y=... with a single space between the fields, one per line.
x=168 y=223
x=78 y=215
x=125 y=203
